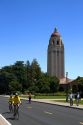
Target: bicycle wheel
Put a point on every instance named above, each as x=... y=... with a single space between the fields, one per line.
x=16 y=112
x=10 y=108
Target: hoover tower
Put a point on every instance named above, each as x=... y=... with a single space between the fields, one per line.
x=55 y=55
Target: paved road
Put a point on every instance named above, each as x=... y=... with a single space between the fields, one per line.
x=42 y=114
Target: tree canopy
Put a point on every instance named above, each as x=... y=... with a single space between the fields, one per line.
x=27 y=76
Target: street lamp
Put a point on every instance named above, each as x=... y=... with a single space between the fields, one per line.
x=66 y=76
x=70 y=87
x=66 y=87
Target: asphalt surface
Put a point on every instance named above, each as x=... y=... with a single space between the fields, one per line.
x=42 y=114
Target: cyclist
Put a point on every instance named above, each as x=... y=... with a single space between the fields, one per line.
x=29 y=96
x=16 y=103
x=11 y=103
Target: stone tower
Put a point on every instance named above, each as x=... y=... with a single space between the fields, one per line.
x=55 y=57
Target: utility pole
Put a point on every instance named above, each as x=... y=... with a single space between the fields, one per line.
x=66 y=86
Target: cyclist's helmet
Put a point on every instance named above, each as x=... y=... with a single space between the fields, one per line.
x=16 y=94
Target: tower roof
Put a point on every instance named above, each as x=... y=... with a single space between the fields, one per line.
x=55 y=33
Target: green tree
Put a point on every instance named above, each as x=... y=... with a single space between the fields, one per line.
x=28 y=74
x=26 y=77
x=54 y=84
x=20 y=73
x=35 y=71
x=3 y=82
x=43 y=83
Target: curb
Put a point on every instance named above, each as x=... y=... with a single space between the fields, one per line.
x=68 y=106
x=78 y=108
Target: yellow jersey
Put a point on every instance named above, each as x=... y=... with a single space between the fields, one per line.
x=16 y=100
x=11 y=99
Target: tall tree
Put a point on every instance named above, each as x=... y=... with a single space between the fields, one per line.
x=28 y=74
x=54 y=84
x=20 y=73
x=35 y=71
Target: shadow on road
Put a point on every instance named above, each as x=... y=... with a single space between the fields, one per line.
x=10 y=118
x=6 y=113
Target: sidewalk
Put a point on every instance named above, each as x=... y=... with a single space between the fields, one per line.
x=54 y=102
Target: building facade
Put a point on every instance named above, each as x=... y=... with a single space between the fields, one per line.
x=55 y=56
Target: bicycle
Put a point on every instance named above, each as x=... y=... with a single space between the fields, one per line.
x=16 y=111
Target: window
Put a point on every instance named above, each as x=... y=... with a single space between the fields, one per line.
x=57 y=42
x=53 y=42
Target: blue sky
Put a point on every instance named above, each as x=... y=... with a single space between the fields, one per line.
x=26 y=26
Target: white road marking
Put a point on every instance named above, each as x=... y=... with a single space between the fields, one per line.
x=81 y=123
x=3 y=121
x=48 y=112
x=29 y=107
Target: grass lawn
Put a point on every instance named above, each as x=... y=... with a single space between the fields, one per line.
x=44 y=97
x=49 y=97
x=62 y=98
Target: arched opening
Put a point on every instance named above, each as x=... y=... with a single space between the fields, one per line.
x=57 y=42
x=53 y=42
